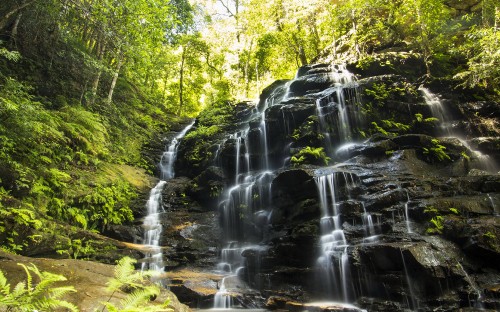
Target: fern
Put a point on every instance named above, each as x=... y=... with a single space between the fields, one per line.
x=126 y=277
x=128 y=280
x=311 y=155
x=28 y=296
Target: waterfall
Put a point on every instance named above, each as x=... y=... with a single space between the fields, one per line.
x=438 y=110
x=337 y=110
x=152 y=230
x=168 y=157
x=245 y=209
x=152 y=224
x=334 y=260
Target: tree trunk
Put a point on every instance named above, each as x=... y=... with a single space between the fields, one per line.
x=13 y=33
x=181 y=82
x=115 y=78
x=95 y=84
x=164 y=96
x=5 y=19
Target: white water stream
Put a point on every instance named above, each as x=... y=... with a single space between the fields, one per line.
x=152 y=224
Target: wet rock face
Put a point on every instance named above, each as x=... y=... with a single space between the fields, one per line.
x=418 y=207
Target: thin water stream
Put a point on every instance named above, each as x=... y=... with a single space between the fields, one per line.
x=152 y=224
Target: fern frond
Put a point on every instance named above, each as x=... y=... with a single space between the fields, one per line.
x=29 y=278
x=46 y=281
x=50 y=304
x=125 y=275
x=4 y=286
x=59 y=292
x=19 y=289
x=110 y=307
x=140 y=297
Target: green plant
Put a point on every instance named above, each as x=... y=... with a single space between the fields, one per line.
x=133 y=282
x=35 y=296
x=310 y=155
x=420 y=118
x=308 y=132
x=379 y=129
x=78 y=248
x=436 y=151
x=455 y=211
x=215 y=191
x=107 y=204
x=397 y=126
x=436 y=221
x=379 y=92
x=489 y=235
x=21 y=219
x=465 y=156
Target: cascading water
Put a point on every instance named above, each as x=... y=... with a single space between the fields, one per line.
x=337 y=110
x=168 y=158
x=439 y=111
x=246 y=208
x=152 y=231
x=152 y=226
x=274 y=217
x=334 y=259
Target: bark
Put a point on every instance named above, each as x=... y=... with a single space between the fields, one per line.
x=13 y=33
x=95 y=84
x=6 y=18
x=115 y=78
x=181 y=82
x=164 y=96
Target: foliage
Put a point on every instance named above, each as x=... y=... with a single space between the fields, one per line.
x=14 y=224
x=201 y=141
x=490 y=236
x=9 y=55
x=78 y=248
x=481 y=49
x=42 y=154
x=106 y=205
x=35 y=295
x=379 y=92
x=436 y=152
x=310 y=155
x=133 y=282
x=419 y=118
x=308 y=132
x=393 y=127
x=436 y=221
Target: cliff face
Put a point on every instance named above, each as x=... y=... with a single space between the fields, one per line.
x=356 y=186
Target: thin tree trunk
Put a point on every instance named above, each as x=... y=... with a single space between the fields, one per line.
x=82 y=95
x=115 y=78
x=5 y=20
x=164 y=96
x=95 y=84
x=181 y=82
x=13 y=33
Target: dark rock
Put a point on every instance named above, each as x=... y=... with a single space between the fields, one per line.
x=399 y=63
x=311 y=83
x=276 y=90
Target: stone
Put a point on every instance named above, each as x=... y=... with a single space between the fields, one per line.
x=87 y=277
